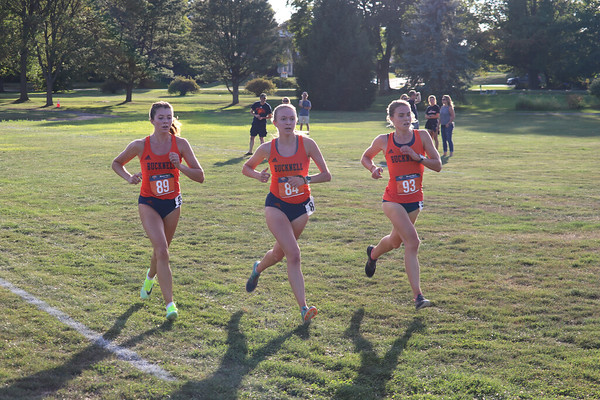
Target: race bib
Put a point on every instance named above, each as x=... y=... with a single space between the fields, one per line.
x=310 y=206
x=408 y=184
x=162 y=184
x=286 y=190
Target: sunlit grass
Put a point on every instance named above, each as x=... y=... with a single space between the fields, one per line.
x=509 y=256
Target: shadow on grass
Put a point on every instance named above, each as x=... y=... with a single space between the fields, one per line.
x=231 y=161
x=42 y=384
x=374 y=371
x=224 y=383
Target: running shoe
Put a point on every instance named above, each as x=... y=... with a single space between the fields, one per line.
x=253 y=280
x=172 y=312
x=371 y=264
x=308 y=313
x=421 y=302
x=147 y=286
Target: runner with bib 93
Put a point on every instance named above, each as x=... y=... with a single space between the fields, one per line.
x=404 y=150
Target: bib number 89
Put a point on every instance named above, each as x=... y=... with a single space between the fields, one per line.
x=162 y=184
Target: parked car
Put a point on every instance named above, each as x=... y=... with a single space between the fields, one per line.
x=517 y=80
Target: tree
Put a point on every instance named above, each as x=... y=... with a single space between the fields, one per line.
x=60 y=37
x=301 y=19
x=383 y=20
x=8 y=52
x=336 y=66
x=435 y=50
x=141 y=36
x=556 y=38
x=237 y=38
x=28 y=15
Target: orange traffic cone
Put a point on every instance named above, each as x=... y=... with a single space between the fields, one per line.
x=57 y=103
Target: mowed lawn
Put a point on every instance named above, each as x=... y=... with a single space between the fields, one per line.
x=510 y=258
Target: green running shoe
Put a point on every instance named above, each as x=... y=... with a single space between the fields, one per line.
x=253 y=280
x=308 y=313
x=147 y=286
x=172 y=312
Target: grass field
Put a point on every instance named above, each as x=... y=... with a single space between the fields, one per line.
x=510 y=258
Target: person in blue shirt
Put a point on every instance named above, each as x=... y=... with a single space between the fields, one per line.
x=304 y=106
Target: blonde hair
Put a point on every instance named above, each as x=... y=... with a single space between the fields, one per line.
x=175 y=125
x=447 y=97
x=391 y=109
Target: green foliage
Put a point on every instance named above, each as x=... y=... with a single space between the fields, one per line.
x=554 y=37
x=260 y=85
x=140 y=38
x=237 y=38
x=434 y=50
x=595 y=87
x=112 y=86
x=337 y=63
x=284 y=83
x=575 y=102
x=528 y=103
x=183 y=86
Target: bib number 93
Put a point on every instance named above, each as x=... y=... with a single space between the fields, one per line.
x=408 y=184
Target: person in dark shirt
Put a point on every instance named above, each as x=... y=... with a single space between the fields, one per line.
x=261 y=111
x=413 y=100
x=432 y=125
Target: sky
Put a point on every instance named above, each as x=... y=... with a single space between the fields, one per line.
x=282 y=11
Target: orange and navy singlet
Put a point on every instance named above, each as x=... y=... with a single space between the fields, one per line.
x=160 y=178
x=406 y=175
x=283 y=167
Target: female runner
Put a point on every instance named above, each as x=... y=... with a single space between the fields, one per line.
x=160 y=200
x=289 y=202
x=404 y=151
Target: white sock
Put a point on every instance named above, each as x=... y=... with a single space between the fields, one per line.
x=169 y=305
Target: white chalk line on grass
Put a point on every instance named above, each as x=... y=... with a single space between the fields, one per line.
x=122 y=353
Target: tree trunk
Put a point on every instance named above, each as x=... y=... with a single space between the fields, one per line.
x=383 y=75
x=49 y=90
x=129 y=92
x=23 y=83
x=235 y=92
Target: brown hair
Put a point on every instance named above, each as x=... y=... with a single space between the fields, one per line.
x=175 y=125
x=447 y=97
x=391 y=109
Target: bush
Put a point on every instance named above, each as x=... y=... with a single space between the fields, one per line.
x=525 y=103
x=595 y=88
x=260 y=85
x=183 y=86
x=112 y=86
x=284 y=83
x=575 y=102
